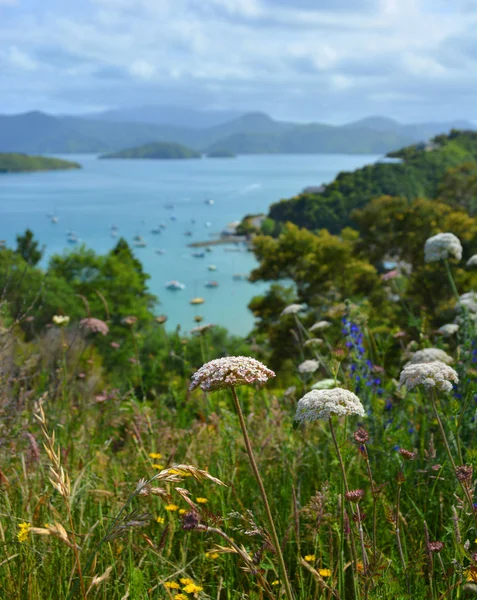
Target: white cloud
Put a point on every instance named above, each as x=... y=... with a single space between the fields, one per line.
x=20 y=60
x=142 y=69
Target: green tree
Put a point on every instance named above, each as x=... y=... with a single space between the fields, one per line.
x=28 y=248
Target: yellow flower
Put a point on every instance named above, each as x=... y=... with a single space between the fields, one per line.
x=155 y=455
x=212 y=555
x=471 y=574
x=160 y=520
x=172 y=507
x=172 y=585
x=23 y=531
x=191 y=588
x=201 y=500
x=156 y=466
x=276 y=582
x=324 y=572
x=186 y=581
x=61 y=320
x=182 y=511
x=180 y=597
x=310 y=558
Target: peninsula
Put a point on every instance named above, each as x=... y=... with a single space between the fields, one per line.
x=24 y=163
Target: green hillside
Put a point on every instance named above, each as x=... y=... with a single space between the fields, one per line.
x=418 y=174
x=157 y=150
x=20 y=163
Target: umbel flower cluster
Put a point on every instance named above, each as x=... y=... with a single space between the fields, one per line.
x=231 y=371
x=428 y=355
x=321 y=404
x=430 y=375
x=442 y=246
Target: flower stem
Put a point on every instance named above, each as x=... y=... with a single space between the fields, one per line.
x=276 y=541
x=374 y=493
x=398 y=536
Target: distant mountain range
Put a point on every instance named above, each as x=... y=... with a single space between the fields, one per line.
x=207 y=131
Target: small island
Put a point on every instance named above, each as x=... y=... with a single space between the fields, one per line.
x=221 y=154
x=157 y=150
x=11 y=162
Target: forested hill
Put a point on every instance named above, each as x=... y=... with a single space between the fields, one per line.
x=416 y=173
x=19 y=163
x=162 y=150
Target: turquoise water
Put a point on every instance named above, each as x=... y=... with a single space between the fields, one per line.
x=132 y=195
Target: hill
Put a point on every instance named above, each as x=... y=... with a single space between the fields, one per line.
x=22 y=163
x=219 y=153
x=158 y=150
x=416 y=173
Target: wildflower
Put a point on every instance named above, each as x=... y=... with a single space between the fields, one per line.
x=319 y=326
x=180 y=597
x=131 y=320
x=276 y=582
x=185 y=581
x=201 y=500
x=230 y=372
x=155 y=455
x=472 y=262
x=182 y=511
x=354 y=495
x=161 y=319
x=23 y=531
x=464 y=473
x=430 y=375
x=310 y=558
x=212 y=555
x=468 y=301
x=95 y=325
x=61 y=320
x=198 y=318
x=448 y=329
x=430 y=355
x=313 y=342
x=157 y=466
x=320 y=404
x=172 y=585
x=172 y=507
x=390 y=275
x=325 y=384
x=324 y=572
x=202 y=328
x=442 y=246
x=361 y=436
x=190 y=520
x=191 y=588
x=115 y=345
x=435 y=546
x=308 y=366
x=292 y=309
x=407 y=454
x=160 y=520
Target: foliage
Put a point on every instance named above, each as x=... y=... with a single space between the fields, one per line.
x=19 y=163
x=28 y=248
x=458 y=188
x=156 y=150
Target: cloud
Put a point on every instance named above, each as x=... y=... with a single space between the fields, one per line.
x=327 y=60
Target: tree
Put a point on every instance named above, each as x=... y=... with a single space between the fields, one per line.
x=28 y=248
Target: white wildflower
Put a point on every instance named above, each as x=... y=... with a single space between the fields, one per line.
x=325 y=384
x=231 y=371
x=292 y=309
x=321 y=404
x=432 y=374
x=320 y=325
x=472 y=262
x=468 y=301
x=441 y=246
x=308 y=366
x=61 y=320
x=429 y=355
x=448 y=329
x=202 y=328
x=313 y=342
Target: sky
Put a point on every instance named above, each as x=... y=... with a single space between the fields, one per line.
x=306 y=60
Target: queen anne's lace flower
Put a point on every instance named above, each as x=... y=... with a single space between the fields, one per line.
x=448 y=329
x=432 y=374
x=429 y=355
x=61 y=320
x=231 y=371
x=308 y=366
x=292 y=309
x=321 y=404
x=320 y=325
x=442 y=245
x=468 y=301
x=202 y=328
x=95 y=325
x=472 y=262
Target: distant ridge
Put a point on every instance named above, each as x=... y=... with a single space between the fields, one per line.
x=254 y=132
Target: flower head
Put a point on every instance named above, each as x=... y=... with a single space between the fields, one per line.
x=172 y=585
x=313 y=342
x=161 y=319
x=310 y=558
x=468 y=301
x=432 y=374
x=308 y=366
x=321 y=404
x=430 y=355
x=131 y=320
x=292 y=309
x=231 y=371
x=448 y=329
x=435 y=546
x=354 y=495
x=472 y=262
x=95 y=325
x=464 y=473
x=61 y=320
x=325 y=384
x=441 y=246
x=325 y=572
x=320 y=325
x=361 y=436
x=407 y=454
x=192 y=588
x=202 y=328
x=23 y=530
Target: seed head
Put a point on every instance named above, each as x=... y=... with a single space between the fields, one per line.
x=354 y=495
x=464 y=473
x=435 y=546
x=231 y=371
x=190 y=520
x=161 y=319
x=361 y=436
x=407 y=454
x=95 y=325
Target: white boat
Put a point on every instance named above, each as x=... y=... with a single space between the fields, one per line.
x=156 y=230
x=211 y=284
x=208 y=224
x=139 y=242
x=212 y=268
x=162 y=225
x=175 y=285
x=160 y=251
x=54 y=219
x=72 y=238
x=198 y=254
x=209 y=202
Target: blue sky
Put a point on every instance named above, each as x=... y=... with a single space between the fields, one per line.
x=321 y=60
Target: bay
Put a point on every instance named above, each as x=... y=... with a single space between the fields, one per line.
x=134 y=195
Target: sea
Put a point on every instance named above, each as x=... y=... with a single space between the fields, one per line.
x=185 y=200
